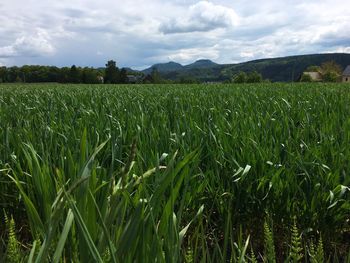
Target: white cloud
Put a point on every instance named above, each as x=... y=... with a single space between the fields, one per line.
x=339 y=50
x=189 y=55
x=202 y=16
x=247 y=54
x=29 y=46
x=137 y=32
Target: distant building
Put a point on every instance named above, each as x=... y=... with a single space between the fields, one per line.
x=100 y=79
x=346 y=75
x=314 y=75
x=212 y=82
x=132 y=78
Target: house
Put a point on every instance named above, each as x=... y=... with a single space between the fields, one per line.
x=314 y=75
x=346 y=75
x=100 y=79
x=132 y=78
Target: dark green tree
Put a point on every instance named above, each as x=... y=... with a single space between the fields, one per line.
x=89 y=76
x=123 y=78
x=188 y=80
x=155 y=75
x=74 y=75
x=241 y=77
x=3 y=74
x=12 y=74
x=53 y=74
x=330 y=76
x=331 y=71
x=254 y=77
x=305 y=78
x=111 y=72
x=64 y=75
x=147 y=79
x=331 y=66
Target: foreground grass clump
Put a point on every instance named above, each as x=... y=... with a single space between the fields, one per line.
x=175 y=173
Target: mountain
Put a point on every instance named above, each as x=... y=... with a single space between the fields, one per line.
x=164 y=67
x=275 y=69
x=175 y=67
x=202 y=63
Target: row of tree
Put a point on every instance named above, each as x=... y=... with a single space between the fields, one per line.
x=33 y=74
x=250 y=77
x=111 y=74
x=73 y=74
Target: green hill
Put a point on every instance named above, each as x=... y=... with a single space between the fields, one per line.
x=284 y=69
x=202 y=63
x=164 y=67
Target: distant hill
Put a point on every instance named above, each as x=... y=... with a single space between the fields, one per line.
x=202 y=63
x=286 y=68
x=283 y=69
x=164 y=67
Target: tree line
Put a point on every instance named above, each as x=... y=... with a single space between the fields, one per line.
x=250 y=77
x=87 y=75
x=33 y=74
x=111 y=74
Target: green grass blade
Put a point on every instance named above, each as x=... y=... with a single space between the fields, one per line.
x=63 y=237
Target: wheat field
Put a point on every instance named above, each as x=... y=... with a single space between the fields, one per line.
x=175 y=173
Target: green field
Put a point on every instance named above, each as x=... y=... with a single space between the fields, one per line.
x=175 y=173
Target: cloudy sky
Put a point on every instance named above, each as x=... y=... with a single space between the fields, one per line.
x=138 y=33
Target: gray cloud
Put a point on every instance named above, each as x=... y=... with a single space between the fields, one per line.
x=202 y=16
x=337 y=36
x=73 y=12
x=139 y=33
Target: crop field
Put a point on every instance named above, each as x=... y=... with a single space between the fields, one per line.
x=175 y=173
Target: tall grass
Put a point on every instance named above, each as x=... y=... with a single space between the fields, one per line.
x=175 y=172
